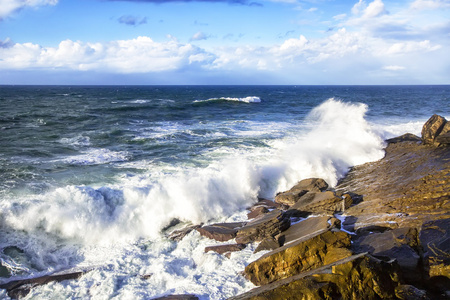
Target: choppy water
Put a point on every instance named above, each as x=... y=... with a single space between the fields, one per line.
x=89 y=176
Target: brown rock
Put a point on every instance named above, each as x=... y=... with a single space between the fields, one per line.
x=319 y=202
x=269 y=204
x=179 y=234
x=221 y=249
x=220 y=231
x=267 y=225
x=432 y=128
x=177 y=297
x=356 y=277
x=256 y=211
x=308 y=227
x=269 y=243
x=291 y=196
x=297 y=257
x=20 y=288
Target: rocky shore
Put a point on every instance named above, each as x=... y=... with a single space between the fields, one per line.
x=381 y=233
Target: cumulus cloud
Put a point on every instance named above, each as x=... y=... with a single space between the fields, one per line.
x=132 y=20
x=372 y=10
x=7 y=7
x=412 y=46
x=137 y=55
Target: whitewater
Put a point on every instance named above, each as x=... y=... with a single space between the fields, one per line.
x=94 y=176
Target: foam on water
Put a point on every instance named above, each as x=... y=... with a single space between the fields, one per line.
x=249 y=99
x=80 y=223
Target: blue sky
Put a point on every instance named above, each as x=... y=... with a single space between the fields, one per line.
x=224 y=42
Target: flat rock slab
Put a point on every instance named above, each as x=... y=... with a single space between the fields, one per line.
x=177 y=297
x=221 y=231
x=308 y=227
x=299 y=256
x=356 y=277
x=221 y=249
x=256 y=211
x=20 y=288
x=179 y=234
x=267 y=225
x=400 y=244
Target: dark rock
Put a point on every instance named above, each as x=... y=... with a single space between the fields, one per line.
x=399 y=244
x=291 y=196
x=4 y=271
x=319 y=202
x=299 y=256
x=356 y=277
x=407 y=137
x=435 y=241
x=267 y=225
x=256 y=211
x=410 y=292
x=269 y=243
x=179 y=234
x=221 y=249
x=432 y=128
x=308 y=227
x=220 y=231
x=20 y=288
x=443 y=138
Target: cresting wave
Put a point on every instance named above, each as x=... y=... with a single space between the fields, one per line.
x=140 y=205
x=249 y=99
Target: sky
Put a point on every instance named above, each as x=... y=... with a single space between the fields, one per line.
x=225 y=42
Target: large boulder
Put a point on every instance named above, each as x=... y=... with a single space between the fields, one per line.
x=432 y=128
x=320 y=202
x=220 y=231
x=356 y=277
x=291 y=196
x=444 y=137
x=267 y=225
x=299 y=256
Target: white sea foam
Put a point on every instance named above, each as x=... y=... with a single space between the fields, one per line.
x=122 y=222
x=249 y=99
x=79 y=140
x=96 y=156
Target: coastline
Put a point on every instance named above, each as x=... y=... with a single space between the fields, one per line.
x=385 y=220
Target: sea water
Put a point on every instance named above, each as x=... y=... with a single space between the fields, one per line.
x=91 y=176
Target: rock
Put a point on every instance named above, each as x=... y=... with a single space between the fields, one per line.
x=443 y=138
x=308 y=227
x=4 y=271
x=220 y=231
x=407 y=137
x=267 y=225
x=177 y=297
x=356 y=277
x=410 y=292
x=406 y=188
x=269 y=204
x=221 y=249
x=319 y=202
x=256 y=211
x=179 y=234
x=399 y=244
x=269 y=243
x=297 y=257
x=432 y=128
x=301 y=188
x=20 y=288
x=434 y=238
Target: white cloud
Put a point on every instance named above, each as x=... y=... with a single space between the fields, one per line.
x=412 y=46
x=340 y=17
x=430 y=4
x=138 y=55
x=199 y=36
x=7 y=7
x=375 y=9
x=393 y=68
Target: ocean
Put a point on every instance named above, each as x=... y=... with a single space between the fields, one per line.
x=92 y=176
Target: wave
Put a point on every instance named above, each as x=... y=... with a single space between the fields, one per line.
x=249 y=99
x=96 y=156
x=139 y=206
